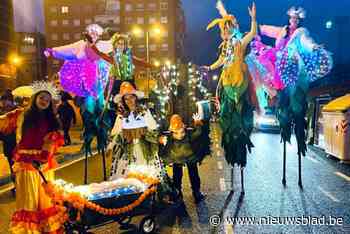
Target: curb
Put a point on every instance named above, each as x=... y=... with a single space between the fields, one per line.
x=62 y=160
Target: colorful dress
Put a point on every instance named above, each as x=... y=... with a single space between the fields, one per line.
x=236 y=111
x=135 y=142
x=83 y=72
x=294 y=62
x=293 y=55
x=35 y=212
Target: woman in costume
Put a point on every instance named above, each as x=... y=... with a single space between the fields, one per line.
x=38 y=139
x=297 y=60
x=135 y=133
x=236 y=112
x=85 y=74
x=122 y=61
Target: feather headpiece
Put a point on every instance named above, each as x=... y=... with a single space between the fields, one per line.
x=225 y=17
x=117 y=36
x=297 y=12
x=38 y=86
x=94 y=28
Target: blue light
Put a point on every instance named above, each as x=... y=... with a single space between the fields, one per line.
x=329 y=24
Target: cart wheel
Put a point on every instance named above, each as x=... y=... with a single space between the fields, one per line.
x=147 y=225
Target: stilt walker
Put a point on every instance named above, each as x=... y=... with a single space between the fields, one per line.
x=85 y=75
x=294 y=62
x=236 y=111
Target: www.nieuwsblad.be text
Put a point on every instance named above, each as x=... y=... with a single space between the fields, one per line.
x=215 y=220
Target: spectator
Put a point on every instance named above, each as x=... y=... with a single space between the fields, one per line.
x=67 y=117
x=8 y=139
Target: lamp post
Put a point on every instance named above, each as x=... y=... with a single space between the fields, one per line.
x=137 y=31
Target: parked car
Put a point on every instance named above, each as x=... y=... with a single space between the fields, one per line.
x=266 y=121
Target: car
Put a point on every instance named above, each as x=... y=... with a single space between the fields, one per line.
x=266 y=121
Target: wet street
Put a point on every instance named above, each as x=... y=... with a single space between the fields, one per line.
x=322 y=206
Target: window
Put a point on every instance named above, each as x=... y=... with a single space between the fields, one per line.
x=164 y=19
x=152 y=6
x=165 y=47
x=88 y=9
x=141 y=48
x=64 y=9
x=153 y=47
x=76 y=22
x=53 y=9
x=152 y=20
x=53 y=23
x=54 y=36
x=65 y=22
x=128 y=20
x=165 y=33
x=66 y=36
x=140 y=20
x=128 y=7
x=113 y=5
x=77 y=36
x=164 y=6
x=140 y=7
x=88 y=21
x=117 y=20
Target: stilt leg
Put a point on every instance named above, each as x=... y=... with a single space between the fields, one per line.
x=104 y=164
x=242 y=180
x=232 y=178
x=300 y=181
x=86 y=165
x=284 y=163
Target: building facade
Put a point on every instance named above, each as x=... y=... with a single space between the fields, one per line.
x=30 y=48
x=161 y=20
x=7 y=45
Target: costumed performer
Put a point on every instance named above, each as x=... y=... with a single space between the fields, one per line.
x=297 y=61
x=38 y=139
x=185 y=146
x=85 y=74
x=135 y=133
x=236 y=110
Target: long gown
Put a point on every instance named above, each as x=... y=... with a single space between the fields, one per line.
x=236 y=110
x=294 y=62
x=135 y=142
x=35 y=213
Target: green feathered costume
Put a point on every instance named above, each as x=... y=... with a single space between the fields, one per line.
x=291 y=111
x=236 y=111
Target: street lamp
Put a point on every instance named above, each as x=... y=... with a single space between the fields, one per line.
x=15 y=60
x=167 y=62
x=137 y=32
x=156 y=63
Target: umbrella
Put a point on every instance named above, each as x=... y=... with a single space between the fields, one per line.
x=23 y=91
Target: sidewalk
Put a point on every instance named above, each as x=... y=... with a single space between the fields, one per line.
x=65 y=155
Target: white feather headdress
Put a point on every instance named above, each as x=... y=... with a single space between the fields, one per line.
x=225 y=17
x=220 y=6
x=38 y=86
x=94 y=28
x=297 y=12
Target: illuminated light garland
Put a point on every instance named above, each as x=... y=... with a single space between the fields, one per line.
x=59 y=196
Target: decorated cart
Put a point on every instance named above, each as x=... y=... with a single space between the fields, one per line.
x=89 y=206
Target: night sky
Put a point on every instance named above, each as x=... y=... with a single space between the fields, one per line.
x=202 y=45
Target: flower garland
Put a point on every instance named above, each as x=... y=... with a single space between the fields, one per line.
x=59 y=196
